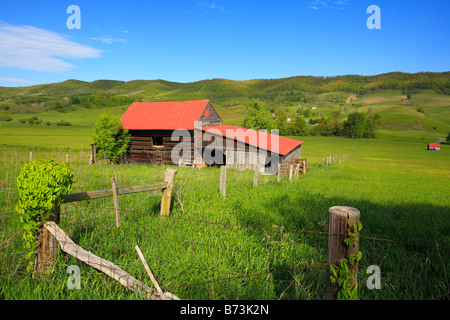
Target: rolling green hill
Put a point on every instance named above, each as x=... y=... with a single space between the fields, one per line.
x=417 y=102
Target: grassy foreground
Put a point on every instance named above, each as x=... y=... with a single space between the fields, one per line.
x=258 y=243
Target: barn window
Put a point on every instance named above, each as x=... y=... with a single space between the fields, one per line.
x=158 y=141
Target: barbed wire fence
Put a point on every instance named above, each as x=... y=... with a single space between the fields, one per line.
x=199 y=259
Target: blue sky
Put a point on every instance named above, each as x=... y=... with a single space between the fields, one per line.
x=191 y=40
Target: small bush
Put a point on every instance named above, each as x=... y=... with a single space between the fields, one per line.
x=41 y=186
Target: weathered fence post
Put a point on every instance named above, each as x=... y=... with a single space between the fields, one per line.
x=67 y=158
x=279 y=172
x=167 y=194
x=339 y=219
x=291 y=172
x=31 y=156
x=116 y=201
x=255 y=177
x=47 y=250
x=223 y=181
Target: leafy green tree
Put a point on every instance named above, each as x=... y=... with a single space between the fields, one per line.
x=281 y=124
x=358 y=125
x=299 y=126
x=448 y=138
x=371 y=124
x=257 y=117
x=336 y=115
x=110 y=139
x=355 y=126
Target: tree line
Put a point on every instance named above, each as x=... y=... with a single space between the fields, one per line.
x=357 y=124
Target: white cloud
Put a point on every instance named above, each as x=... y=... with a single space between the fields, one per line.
x=27 y=47
x=210 y=5
x=317 y=4
x=109 y=40
x=16 y=80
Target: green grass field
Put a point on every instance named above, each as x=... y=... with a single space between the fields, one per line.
x=250 y=245
x=215 y=248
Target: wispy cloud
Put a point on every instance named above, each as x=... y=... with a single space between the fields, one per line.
x=210 y=5
x=27 y=47
x=316 y=4
x=16 y=80
x=320 y=4
x=110 y=40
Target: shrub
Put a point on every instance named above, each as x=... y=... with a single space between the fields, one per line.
x=63 y=123
x=41 y=186
x=110 y=139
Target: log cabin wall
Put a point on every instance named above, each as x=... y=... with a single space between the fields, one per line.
x=155 y=147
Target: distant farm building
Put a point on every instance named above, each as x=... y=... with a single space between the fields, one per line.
x=156 y=128
x=275 y=116
x=434 y=146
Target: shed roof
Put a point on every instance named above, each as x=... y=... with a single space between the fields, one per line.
x=264 y=140
x=434 y=145
x=163 y=115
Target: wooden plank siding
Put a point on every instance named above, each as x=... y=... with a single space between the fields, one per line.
x=213 y=119
x=143 y=150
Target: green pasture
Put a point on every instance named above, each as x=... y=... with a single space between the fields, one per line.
x=216 y=248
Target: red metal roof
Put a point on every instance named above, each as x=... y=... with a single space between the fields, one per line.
x=260 y=139
x=434 y=145
x=163 y=115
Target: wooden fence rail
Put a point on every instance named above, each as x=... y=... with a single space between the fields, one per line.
x=46 y=251
x=89 y=195
x=105 y=266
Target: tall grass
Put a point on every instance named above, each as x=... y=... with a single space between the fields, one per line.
x=257 y=243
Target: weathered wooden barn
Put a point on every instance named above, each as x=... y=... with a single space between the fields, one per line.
x=152 y=125
x=191 y=132
x=242 y=148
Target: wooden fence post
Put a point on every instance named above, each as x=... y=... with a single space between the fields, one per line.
x=116 y=201
x=47 y=249
x=255 y=177
x=291 y=172
x=31 y=156
x=279 y=172
x=338 y=219
x=67 y=158
x=223 y=181
x=167 y=193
